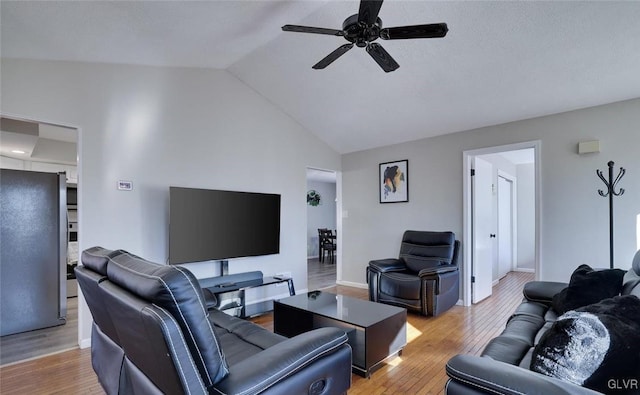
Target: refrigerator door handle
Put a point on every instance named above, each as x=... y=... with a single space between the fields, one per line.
x=64 y=225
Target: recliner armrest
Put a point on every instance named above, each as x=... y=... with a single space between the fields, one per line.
x=486 y=375
x=387 y=265
x=430 y=271
x=280 y=361
x=542 y=291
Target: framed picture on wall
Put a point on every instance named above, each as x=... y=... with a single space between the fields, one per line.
x=393 y=181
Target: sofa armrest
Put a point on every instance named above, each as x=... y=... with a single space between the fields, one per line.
x=281 y=361
x=387 y=265
x=542 y=291
x=436 y=270
x=486 y=375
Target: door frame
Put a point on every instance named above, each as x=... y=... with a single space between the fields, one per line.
x=338 y=214
x=84 y=315
x=467 y=232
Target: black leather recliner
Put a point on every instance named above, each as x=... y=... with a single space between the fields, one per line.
x=425 y=278
x=152 y=334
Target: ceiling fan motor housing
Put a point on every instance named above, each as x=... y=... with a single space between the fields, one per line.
x=360 y=33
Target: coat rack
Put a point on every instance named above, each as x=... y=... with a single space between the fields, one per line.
x=611 y=192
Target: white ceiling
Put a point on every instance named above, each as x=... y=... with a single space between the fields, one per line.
x=38 y=142
x=321 y=175
x=501 y=61
x=519 y=157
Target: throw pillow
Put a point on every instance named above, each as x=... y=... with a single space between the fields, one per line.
x=596 y=346
x=588 y=286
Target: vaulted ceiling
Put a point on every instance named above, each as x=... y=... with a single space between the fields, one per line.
x=501 y=61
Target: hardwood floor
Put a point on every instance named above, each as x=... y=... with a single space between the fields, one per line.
x=420 y=369
x=32 y=344
x=320 y=274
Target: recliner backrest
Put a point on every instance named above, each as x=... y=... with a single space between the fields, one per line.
x=95 y=259
x=154 y=346
x=425 y=249
x=176 y=290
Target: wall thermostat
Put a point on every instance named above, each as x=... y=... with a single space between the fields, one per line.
x=125 y=185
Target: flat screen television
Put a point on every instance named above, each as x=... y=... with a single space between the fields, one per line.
x=206 y=224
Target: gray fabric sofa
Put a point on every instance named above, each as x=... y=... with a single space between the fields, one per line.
x=503 y=367
x=152 y=334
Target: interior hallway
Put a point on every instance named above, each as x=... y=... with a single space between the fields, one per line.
x=320 y=274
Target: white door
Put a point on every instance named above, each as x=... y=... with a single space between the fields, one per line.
x=505 y=229
x=482 y=227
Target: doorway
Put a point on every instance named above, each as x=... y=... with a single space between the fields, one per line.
x=322 y=206
x=44 y=147
x=501 y=216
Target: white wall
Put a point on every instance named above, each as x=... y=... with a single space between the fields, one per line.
x=526 y=256
x=500 y=164
x=159 y=127
x=321 y=216
x=574 y=218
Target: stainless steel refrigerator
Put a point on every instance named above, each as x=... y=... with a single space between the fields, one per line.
x=33 y=244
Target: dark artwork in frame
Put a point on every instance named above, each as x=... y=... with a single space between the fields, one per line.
x=393 y=181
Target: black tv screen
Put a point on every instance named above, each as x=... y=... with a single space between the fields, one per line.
x=207 y=224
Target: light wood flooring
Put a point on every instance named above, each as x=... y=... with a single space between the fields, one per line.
x=420 y=369
x=32 y=344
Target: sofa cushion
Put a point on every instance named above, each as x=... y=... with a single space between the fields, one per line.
x=241 y=339
x=506 y=349
x=400 y=285
x=593 y=345
x=588 y=286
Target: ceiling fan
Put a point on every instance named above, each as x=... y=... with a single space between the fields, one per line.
x=363 y=28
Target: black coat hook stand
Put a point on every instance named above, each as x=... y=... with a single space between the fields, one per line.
x=611 y=192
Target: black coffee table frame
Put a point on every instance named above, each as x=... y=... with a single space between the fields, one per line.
x=376 y=331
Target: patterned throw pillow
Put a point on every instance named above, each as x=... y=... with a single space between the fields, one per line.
x=596 y=346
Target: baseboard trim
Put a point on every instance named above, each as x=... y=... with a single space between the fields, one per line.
x=352 y=284
x=85 y=343
x=524 y=270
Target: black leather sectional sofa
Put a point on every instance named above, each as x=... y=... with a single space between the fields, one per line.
x=152 y=334
x=504 y=365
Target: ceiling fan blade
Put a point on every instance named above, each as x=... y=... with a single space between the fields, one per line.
x=382 y=57
x=434 y=30
x=369 y=10
x=309 y=29
x=332 y=56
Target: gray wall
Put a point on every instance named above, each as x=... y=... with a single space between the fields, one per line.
x=574 y=218
x=321 y=216
x=204 y=128
x=160 y=126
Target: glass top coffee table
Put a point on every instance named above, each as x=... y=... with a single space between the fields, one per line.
x=376 y=331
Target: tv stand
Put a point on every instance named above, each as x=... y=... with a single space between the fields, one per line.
x=227 y=293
